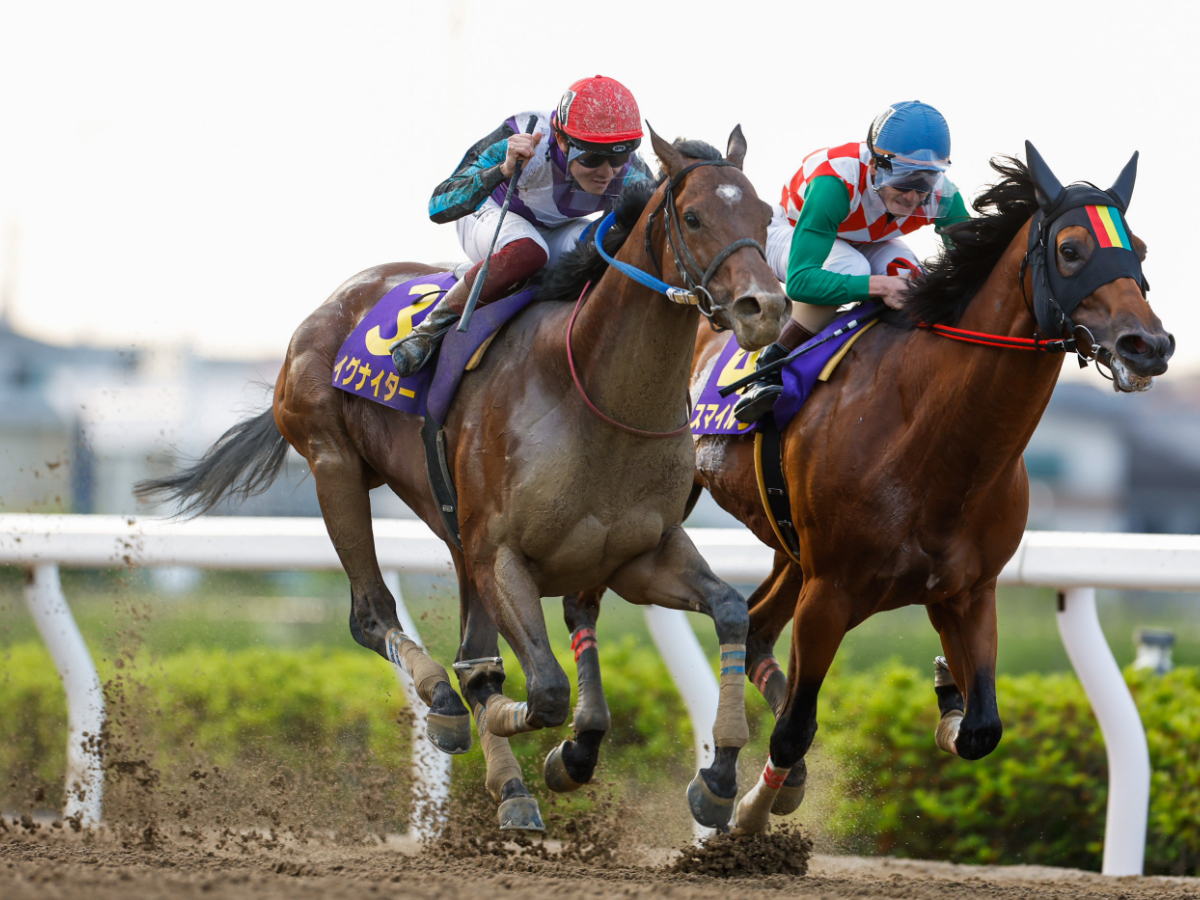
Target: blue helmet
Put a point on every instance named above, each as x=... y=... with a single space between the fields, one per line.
x=911 y=130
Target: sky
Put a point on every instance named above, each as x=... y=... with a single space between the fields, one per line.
x=203 y=175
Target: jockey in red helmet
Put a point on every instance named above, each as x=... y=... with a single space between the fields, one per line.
x=577 y=160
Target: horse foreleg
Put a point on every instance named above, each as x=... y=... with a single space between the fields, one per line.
x=967 y=626
x=821 y=619
x=674 y=575
x=571 y=764
x=481 y=676
x=342 y=490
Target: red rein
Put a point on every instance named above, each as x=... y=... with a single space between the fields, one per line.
x=591 y=405
x=989 y=340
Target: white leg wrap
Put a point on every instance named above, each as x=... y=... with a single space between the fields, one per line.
x=947 y=730
x=754 y=812
x=731 y=729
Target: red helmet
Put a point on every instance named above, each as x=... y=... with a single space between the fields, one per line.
x=599 y=114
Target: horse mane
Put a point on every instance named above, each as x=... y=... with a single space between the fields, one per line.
x=565 y=279
x=942 y=294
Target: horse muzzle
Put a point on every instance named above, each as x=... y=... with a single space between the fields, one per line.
x=1140 y=356
x=757 y=318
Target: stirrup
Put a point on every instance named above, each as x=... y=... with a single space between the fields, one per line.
x=758 y=400
x=413 y=353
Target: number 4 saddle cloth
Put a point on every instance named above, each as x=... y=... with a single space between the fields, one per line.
x=713 y=414
x=363 y=366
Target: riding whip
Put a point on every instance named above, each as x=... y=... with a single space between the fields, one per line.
x=477 y=287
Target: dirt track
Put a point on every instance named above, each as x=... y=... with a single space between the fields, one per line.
x=58 y=865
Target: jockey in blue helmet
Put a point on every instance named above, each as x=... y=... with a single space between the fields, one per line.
x=836 y=234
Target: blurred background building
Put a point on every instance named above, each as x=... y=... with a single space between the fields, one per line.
x=79 y=426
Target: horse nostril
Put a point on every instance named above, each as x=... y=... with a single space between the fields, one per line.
x=1132 y=346
x=747 y=307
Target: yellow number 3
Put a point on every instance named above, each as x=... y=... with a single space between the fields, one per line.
x=377 y=345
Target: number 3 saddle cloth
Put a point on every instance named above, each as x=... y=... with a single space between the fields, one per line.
x=363 y=366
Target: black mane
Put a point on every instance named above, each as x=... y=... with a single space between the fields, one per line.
x=941 y=295
x=566 y=278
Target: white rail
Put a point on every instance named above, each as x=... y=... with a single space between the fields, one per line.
x=1076 y=562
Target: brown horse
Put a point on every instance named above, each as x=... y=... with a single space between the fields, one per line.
x=554 y=496
x=905 y=470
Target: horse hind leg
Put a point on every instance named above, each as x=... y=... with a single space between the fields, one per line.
x=481 y=676
x=821 y=617
x=675 y=576
x=771 y=607
x=571 y=764
x=342 y=490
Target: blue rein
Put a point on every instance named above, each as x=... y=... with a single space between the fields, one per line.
x=645 y=279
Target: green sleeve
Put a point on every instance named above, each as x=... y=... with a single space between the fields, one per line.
x=958 y=213
x=826 y=206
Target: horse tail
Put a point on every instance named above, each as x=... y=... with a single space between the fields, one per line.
x=244 y=461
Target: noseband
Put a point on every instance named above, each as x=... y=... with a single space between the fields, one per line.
x=697 y=281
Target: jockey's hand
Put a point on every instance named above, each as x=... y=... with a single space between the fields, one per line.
x=889 y=288
x=520 y=146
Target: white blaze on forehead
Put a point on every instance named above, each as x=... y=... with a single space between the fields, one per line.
x=730 y=193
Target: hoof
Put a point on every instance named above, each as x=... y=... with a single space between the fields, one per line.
x=707 y=808
x=521 y=814
x=450 y=734
x=555 y=771
x=788 y=800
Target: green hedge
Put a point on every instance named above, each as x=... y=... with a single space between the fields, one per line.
x=879 y=784
x=1039 y=798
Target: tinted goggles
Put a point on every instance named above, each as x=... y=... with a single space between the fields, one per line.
x=592 y=160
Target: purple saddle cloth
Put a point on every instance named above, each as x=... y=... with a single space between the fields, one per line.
x=363 y=366
x=713 y=414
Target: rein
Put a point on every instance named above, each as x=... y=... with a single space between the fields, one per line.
x=697 y=293
x=592 y=406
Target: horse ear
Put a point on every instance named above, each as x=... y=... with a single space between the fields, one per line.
x=736 y=151
x=1122 y=188
x=671 y=158
x=1045 y=185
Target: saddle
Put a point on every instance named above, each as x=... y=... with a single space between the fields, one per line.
x=363 y=367
x=813 y=362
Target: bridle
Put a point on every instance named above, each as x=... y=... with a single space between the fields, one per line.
x=696 y=295
x=696 y=279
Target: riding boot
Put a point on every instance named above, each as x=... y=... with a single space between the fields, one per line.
x=759 y=398
x=414 y=351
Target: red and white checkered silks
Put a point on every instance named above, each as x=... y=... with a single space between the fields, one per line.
x=849 y=164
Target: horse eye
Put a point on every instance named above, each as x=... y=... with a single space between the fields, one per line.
x=1069 y=253
x=692 y=219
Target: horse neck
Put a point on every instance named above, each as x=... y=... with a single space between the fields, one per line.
x=633 y=347
x=990 y=400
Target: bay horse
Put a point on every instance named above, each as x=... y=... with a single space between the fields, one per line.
x=571 y=465
x=905 y=470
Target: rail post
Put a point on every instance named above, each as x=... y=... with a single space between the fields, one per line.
x=85 y=696
x=694 y=679
x=1121 y=726
x=431 y=767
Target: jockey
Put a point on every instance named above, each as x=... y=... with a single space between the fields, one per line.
x=835 y=237
x=577 y=161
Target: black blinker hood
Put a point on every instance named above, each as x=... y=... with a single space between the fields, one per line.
x=1054 y=296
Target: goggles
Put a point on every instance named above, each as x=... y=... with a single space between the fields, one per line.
x=593 y=156
x=920 y=186
x=590 y=159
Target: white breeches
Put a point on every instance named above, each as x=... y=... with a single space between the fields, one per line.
x=476 y=230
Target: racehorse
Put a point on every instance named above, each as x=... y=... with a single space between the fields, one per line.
x=905 y=471
x=573 y=462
